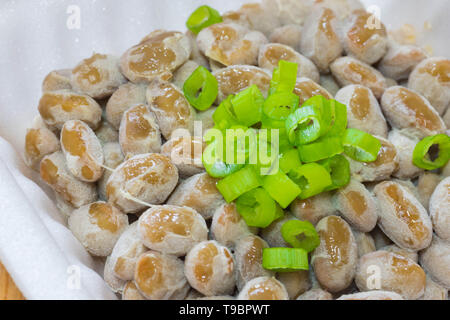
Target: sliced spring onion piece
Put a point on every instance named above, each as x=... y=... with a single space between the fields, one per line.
x=201 y=89
x=338 y=118
x=247 y=106
x=240 y=142
x=238 y=183
x=320 y=149
x=285 y=259
x=277 y=108
x=202 y=17
x=360 y=145
x=223 y=116
x=289 y=160
x=339 y=169
x=421 y=157
x=312 y=178
x=281 y=188
x=284 y=77
x=257 y=208
x=300 y=234
x=304 y=125
x=214 y=164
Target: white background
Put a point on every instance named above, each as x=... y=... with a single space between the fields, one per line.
x=34 y=39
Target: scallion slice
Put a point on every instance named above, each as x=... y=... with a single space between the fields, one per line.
x=300 y=234
x=320 y=149
x=238 y=183
x=285 y=259
x=284 y=77
x=360 y=145
x=201 y=89
x=213 y=161
x=277 y=108
x=223 y=116
x=289 y=159
x=339 y=169
x=281 y=188
x=247 y=106
x=202 y=17
x=304 y=125
x=312 y=178
x=257 y=208
x=421 y=156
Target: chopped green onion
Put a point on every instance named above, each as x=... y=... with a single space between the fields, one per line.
x=247 y=106
x=281 y=188
x=277 y=108
x=312 y=178
x=284 y=77
x=339 y=169
x=360 y=145
x=240 y=142
x=201 y=89
x=300 y=234
x=339 y=118
x=257 y=208
x=289 y=160
x=304 y=125
x=238 y=183
x=214 y=164
x=322 y=148
x=223 y=116
x=285 y=259
x=202 y=17
x=421 y=156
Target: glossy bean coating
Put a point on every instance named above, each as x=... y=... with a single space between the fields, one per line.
x=171 y=229
x=263 y=288
x=296 y=283
x=361 y=40
x=39 y=142
x=321 y=31
x=400 y=60
x=157 y=55
x=248 y=255
x=372 y=295
x=364 y=242
x=305 y=88
x=159 y=276
x=289 y=35
x=315 y=208
x=227 y=225
x=148 y=177
x=334 y=260
x=431 y=79
x=348 y=70
x=363 y=110
x=272 y=233
x=271 y=53
x=131 y=292
x=106 y=133
x=426 y=184
x=186 y=153
x=440 y=209
x=98 y=226
x=230 y=43
x=357 y=205
x=315 y=294
x=404 y=145
x=170 y=107
x=83 y=151
x=57 y=80
x=125 y=253
x=436 y=261
x=54 y=172
x=126 y=96
x=434 y=291
x=113 y=157
x=97 y=76
x=382 y=168
x=57 y=107
x=233 y=79
x=402 y=217
x=139 y=133
x=407 y=253
x=389 y=271
x=411 y=112
x=198 y=192
x=210 y=269
x=114 y=283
